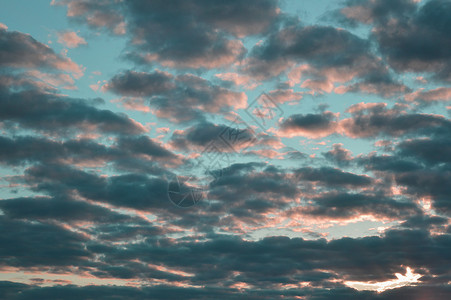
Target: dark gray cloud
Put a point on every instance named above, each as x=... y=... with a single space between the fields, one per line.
x=66 y=210
x=19 y=50
x=388 y=163
x=370 y=120
x=11 y=289
x=222 y=138
x=194 y=34
x=431 y=151
x=249 y=180
x=138 y=84
x=429 y=183
x=93 y=184
x=144 y=145
x=345 y=205
x=419 y=44
x=44 y=112
x=332 y=177
x=368 y=12
x=309 y=125
x=326 y=56
x=421 y=165
x=310 y=44
x=28 y=149
x=422 y=221
x=339 y=155
x=417 y=38
x=128 y=190
x=39 y=244
x=179 y=98
x=292 y=261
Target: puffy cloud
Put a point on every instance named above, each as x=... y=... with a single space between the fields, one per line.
x=128 y=190
x=438 y=94
x=19 y=50
x=182 y=98
x=86 y=190
x=222 y=137
x=34 y=109
x=415 y=39
x=368 y=120
x=58 y=209
x=332 y=177
x=194 y=34
x=238 y=79
x=345 y=205
x=139 y=84
x=340 y=155
x=295 y=262
x=25 y=150
x=309 y=125
x=71 y=39
x=369 y=11
x=373 y=119
x=320 y=65
x=50 y=244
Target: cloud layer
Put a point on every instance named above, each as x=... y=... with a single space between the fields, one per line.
x=229 y=150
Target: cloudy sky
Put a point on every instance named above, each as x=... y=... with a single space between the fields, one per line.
x=207 y=149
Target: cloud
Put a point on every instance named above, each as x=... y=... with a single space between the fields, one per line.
x=438 y=94
x=19 y=50
x=58 y=209
x=238 y=80
x=70 y=39
x=309 y=125
x=224 y=138
x=305 y=52
x=241 y=261
x=148 y=191
x=368 y=120
x=340 y=155
x=416 y=38
x=204 y=35
x=368 y=12
x=180 y=98
x=34 y=109
x=24 y=150
x=144 y=145
x=52 y=244
x=373 y=119
x=346 y=205
x=86 y=191
x=332 y=177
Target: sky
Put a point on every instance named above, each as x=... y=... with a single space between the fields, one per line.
x=194 y=149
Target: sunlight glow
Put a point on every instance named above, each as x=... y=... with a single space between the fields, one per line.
x=402 y=280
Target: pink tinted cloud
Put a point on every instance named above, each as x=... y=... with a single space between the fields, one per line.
x=64 y=81
x=238 y=79
x=71 y=39
x=288 y=95
x=231 y=99
x=358 y=13
x=438 y=94
x=318 y=85
x=94 y=17
x=268 y=153
x=323 y=80
x=137 y=104
x=313 y=133
x=365 y=106
x=69 y=66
